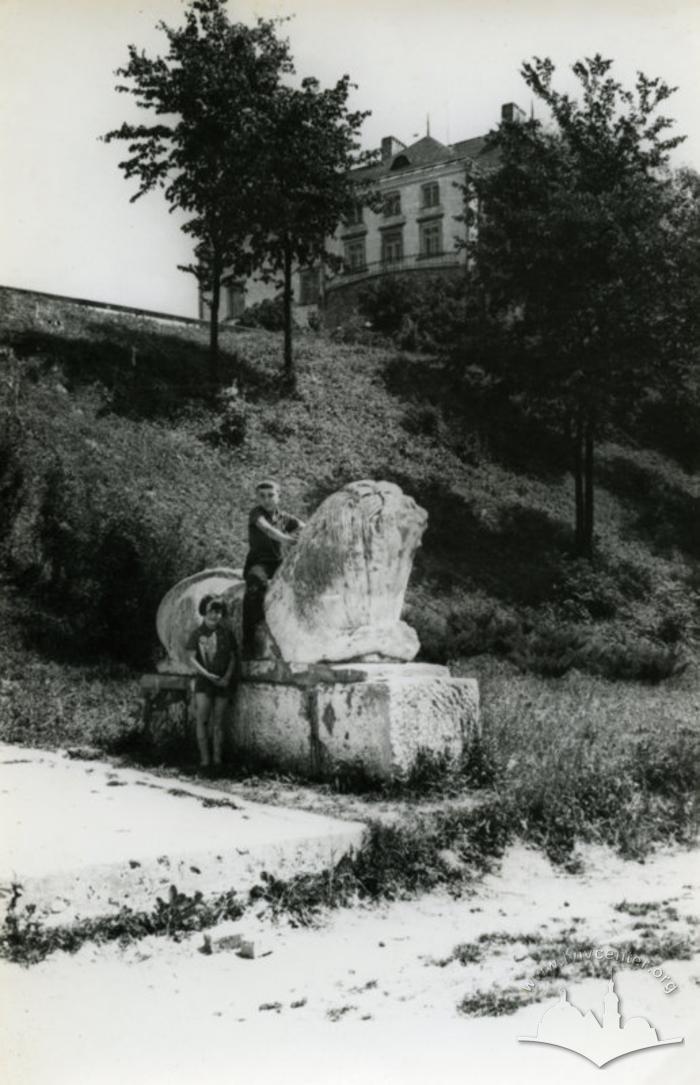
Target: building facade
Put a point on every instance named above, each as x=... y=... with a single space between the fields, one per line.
x=416 y=229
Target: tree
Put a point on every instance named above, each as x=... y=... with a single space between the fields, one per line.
x=577 y=264
x=212 y=93
x=307 y=185
x=669 y=417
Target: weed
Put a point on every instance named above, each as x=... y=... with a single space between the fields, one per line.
x=25 y=940
x=637 y=908
x=496 y=1002
x=337 y=1012
x=468 y=953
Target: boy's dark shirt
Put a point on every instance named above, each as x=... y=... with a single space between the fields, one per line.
x=264 y=550
x=213 y=655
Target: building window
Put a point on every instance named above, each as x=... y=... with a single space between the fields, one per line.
x=234 y=300
x=355 y=216
x=392 y=247
x=430 y=195
x=431 y=238
x=355 y=255
x=392 y=204
x=308 y=286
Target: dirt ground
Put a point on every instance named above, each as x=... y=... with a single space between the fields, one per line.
x=372 y=993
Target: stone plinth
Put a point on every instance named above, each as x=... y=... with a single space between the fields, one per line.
x=322 y=719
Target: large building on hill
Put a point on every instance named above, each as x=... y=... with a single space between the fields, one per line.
x=416 y=229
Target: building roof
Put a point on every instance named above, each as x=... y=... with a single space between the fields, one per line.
x=428 y=151
x=470 y=148
x=424 y=152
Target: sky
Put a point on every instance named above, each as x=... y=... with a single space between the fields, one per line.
x=67 y=225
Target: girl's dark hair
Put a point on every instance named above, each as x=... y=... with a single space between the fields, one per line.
x=215 y=604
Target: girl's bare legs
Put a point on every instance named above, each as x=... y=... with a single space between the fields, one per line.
x=217 y=727
x=203 y=707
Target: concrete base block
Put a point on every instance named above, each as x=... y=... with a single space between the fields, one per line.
x=373 y=717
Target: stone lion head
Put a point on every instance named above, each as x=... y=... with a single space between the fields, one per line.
x=340 y=591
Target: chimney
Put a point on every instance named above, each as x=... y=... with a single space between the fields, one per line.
x=390 y=147
x=512 y=112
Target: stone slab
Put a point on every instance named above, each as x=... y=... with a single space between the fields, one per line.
x=305 y=674
x=151 y=684
x=378 y=727
x=83 y=838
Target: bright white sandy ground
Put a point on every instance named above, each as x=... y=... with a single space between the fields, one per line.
x=161 y=1012
x=83 y=838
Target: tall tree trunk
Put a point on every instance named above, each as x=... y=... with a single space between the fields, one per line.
x=214 y=377
x=588 y=489
x=577 y=438
x=287 y=300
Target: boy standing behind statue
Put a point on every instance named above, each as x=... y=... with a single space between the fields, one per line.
x=268 y=529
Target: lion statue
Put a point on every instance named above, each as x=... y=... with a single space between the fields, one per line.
x=338 y=594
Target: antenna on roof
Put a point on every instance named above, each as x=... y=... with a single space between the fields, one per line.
x=427 y=124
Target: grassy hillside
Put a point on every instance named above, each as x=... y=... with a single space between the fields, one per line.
x=118 y=478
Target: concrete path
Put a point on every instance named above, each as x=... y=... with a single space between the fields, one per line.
x=83 y=838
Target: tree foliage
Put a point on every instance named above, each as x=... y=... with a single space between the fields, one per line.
x=583 y=305
x=212 y=93
x=307 y=184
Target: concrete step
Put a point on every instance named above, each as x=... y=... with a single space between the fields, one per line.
x=83 y=838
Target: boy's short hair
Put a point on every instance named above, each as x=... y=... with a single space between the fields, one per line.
x=267 y=484
x=215 y=604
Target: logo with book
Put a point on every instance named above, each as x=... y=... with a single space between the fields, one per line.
x=599 y=1041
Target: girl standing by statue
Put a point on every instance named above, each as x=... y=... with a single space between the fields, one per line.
x=212 y=649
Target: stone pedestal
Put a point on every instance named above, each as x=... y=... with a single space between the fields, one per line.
x=374 y=718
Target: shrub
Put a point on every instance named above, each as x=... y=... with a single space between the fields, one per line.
x=385 y=303
x=479 y=766
x=483 y=625
x=431 y=626
x=619 y=652
x=91 y=543
x=550 y=648
x=669 y=764
x=587 y=591
x=420 y=311
x=429 y=771
x=354 y=330
x=408 y=336
x=422 y=420
x=230 y=429
x=268 y=314
x=671 y=424
x=105 y=568
x=665 y=498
